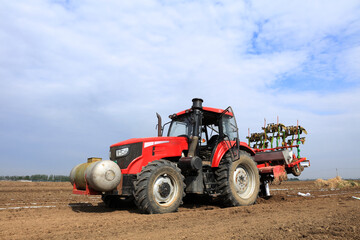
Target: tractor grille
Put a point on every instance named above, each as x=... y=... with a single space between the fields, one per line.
x=135 y=150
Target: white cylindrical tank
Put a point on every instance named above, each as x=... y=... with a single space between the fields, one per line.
x=100 y=175
x=103 y=175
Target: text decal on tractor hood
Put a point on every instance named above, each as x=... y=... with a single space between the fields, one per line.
x=148 y=144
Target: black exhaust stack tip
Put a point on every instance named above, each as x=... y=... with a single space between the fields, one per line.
x=197 y=103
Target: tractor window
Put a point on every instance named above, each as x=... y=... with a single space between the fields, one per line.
x=203 y=141
x=178 y=128
x=229 y=127
x=209 y=135
x=212 y=130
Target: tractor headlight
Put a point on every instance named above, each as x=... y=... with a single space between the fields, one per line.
x=122 y=152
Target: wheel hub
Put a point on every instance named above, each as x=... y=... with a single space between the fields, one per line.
x=241 y=179
x=244 y=181
x=165 y=190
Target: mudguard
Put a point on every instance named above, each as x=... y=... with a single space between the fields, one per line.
x=222 y=148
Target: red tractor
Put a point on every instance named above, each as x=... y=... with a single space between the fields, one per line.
x=201 y=154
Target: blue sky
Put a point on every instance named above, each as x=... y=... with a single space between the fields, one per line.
x=77 y=76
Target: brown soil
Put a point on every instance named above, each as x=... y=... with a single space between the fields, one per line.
x=50 y=211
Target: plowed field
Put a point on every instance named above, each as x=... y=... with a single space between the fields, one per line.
x=30 y=210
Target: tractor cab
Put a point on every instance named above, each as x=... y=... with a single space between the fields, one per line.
x=206 y=129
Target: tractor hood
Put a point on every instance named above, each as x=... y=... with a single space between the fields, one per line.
x=131 y=155
x=149 y=141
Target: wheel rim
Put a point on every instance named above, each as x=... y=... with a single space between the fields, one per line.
x=244 y=181
x=165 y=190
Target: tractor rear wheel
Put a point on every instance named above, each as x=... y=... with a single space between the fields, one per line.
x=159 y=187
x=238 y=181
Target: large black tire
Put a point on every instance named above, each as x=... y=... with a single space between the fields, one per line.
x=159 y=188
x=238 y=181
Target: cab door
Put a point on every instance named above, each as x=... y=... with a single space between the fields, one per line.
x=229 y=132
x=228 y=138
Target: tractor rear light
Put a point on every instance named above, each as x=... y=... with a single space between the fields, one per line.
x=122 y=152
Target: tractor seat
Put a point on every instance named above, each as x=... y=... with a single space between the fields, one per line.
x=212 y=142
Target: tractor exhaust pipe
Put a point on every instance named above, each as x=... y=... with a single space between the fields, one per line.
x=193 y=145
x=159 y=125
x=197 y=103
x=197 y=106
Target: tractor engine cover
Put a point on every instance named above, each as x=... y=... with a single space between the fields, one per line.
x=101 y=176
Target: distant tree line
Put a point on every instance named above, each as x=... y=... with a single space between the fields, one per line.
x=38 y=178
x=293 y=179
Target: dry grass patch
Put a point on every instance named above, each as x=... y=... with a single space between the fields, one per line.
x=336 y=182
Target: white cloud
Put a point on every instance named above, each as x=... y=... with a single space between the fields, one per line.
x=298 y=23
x=349 y=64
x=83 y=75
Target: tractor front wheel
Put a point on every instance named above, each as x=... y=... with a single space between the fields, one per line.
x=159 y=187
x=238 y=181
